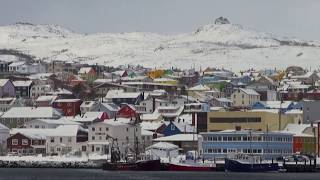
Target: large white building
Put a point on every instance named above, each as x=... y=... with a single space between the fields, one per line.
x=121 y=129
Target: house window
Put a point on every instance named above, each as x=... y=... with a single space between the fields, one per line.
x=52 y=139
x=14 y=141
x=127 y=129
x=172 y=127
x=93 y=138
x=60 y=139
x=107 y=129
x=69 y=139
x=25 y=142
x=93 y=129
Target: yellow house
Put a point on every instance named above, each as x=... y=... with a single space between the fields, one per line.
x=256 y=119
x=155 y=74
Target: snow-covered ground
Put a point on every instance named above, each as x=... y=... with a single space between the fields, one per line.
x=220 y=45
x=40 y=158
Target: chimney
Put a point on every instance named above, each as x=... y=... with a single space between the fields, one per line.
x=153 y=104
x=238 y=128
x=193 y=119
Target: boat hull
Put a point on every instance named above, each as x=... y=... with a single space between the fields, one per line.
x=236 y=166
x=186 y=167
x=149 y=165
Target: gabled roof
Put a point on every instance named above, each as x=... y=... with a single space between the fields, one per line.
x=32 y=112
x=22 y=83
x=249 y=91
x=3 y=82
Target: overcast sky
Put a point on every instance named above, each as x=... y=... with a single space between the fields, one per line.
x=293 y=18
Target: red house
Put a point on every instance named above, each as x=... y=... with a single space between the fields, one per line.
x=70 y=107
x=127 y=111
x=26 y=144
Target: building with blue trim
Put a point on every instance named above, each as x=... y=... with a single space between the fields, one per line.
x=266 y=144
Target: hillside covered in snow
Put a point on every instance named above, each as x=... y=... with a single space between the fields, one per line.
x=220 y=44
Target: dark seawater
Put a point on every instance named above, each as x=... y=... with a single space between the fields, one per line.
x=96 y=174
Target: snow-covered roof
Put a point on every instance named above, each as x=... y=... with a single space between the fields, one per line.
x=163 y=79
x=152 y=126
x=60 y=91
x=60 y=121
x=46 y=98
x=31 y=133
x=92 y=114
x=294 y=111
x=40 y=76
x=104 y=81
x=178 y=137
x=118 y=122
x=275 y=111
x=111 y=106
x=297 y=129
x=67 y=100
x=3 y=127
x=60 y=131
x=32 y=112
x=226 y=100
x=146 y=132
x=3 y=81
x=121 y=94
x=150 y=117
x=276 y=104
x=85 y=70
x=249 y=91
x=199 y=87
x=17 y=63
x=22 y=83
x=164 y=146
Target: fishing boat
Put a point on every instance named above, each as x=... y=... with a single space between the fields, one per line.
x=249 y=163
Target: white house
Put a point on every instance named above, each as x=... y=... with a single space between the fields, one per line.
x=26 y=68
x=121 y=129
x=66 y=139
x=40 y=90
x=162 y=150
x=244 y=97
x=4 y=134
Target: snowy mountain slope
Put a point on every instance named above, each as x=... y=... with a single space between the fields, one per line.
x=220 y=44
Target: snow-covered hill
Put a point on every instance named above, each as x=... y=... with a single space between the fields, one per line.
x=219 y=44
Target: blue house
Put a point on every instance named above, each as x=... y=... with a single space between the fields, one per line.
x=173 y=128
